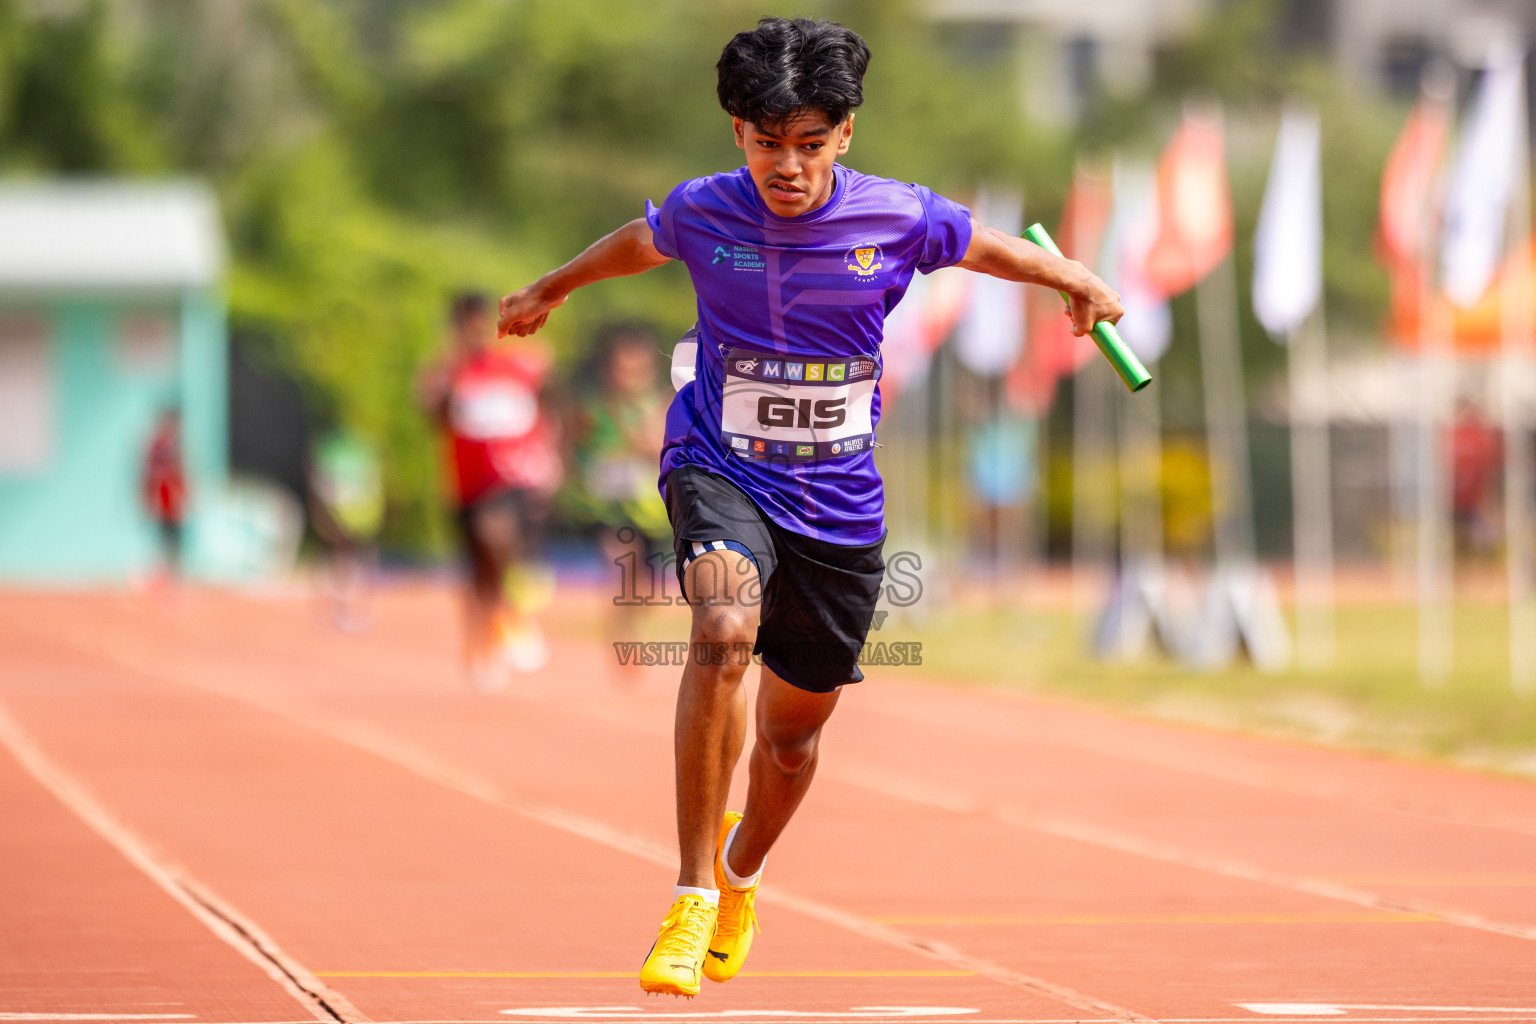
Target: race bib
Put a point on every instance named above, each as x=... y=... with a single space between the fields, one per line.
x=797 y=409
x=493 y=411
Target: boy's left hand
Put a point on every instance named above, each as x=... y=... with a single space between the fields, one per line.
x=525 y=310
x=1093 y=302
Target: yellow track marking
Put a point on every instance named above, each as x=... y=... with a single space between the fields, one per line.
x=1362 y=917
x=631 y=974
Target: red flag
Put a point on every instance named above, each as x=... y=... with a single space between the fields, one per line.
x=1402 y=231
x=1194 y=204
x=1052 y=351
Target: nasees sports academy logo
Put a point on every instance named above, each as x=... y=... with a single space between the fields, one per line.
x=864 y=260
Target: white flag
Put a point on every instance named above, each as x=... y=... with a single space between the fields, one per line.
x=1147 y=325
x=991 y=333
x=1288 y=247
x=1487 y=158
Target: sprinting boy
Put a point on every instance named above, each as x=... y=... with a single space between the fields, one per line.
x=767 y=467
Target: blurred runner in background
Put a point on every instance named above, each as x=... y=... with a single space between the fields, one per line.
x=504 y=463
x=346 y=506
x=163 y=486
x=1477 y=459
x=621 y=423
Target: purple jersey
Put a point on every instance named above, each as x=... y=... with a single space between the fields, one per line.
x=791 y=314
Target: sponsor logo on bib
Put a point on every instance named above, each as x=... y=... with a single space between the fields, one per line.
x=814 y=371
x=746 y=365
x=804 y=449
x=739 y=442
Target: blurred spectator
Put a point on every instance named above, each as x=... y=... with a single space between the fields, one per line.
x=504 y=463
x=346 y=504
x=1476 y=455
x=620 y=425
x=164 y=489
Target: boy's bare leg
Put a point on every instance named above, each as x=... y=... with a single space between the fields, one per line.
x=783 y=762
x=711 y=707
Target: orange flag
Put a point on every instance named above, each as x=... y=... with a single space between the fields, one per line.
x=1401 y=228
x=1480 y=329
x=1194 y=204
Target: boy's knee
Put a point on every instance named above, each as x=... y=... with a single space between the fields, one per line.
x=793 y=754
x=725 y=624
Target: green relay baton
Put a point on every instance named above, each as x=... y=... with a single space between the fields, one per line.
x=1105 y=336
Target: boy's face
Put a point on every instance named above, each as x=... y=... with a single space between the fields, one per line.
x=472 y=329
x=792 y=164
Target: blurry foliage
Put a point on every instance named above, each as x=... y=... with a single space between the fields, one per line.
x=374 y=156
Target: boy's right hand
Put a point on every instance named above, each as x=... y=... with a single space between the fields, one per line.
x=525 y=310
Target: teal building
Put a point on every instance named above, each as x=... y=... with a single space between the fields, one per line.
x=110 y=310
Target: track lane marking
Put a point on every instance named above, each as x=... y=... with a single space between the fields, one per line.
x=1363 y=917
x=236 y=931
x=930 y=794
x=421 y=763
x=1311 y=1009
x=1233 y=773
x=631 y=974
x=397 y=752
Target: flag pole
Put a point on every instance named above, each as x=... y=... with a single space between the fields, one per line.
x=1435 y=391
x=1515 y=316
x=1311 y=491
x=1226 y=422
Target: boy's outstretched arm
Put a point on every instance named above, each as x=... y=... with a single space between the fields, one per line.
x=1017 y=259
x=626 y=251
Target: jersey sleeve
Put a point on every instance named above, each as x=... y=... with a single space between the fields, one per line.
x=662 y=220
x=948 y=234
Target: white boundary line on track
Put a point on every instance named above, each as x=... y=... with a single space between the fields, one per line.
x=411 y=759
x=233 y=928
x=946 y=798
x=920 y=792
x=959 y=802
x=405 y=756
x=1241 y=775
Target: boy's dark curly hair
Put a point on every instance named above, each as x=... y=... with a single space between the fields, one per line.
x=787 y=66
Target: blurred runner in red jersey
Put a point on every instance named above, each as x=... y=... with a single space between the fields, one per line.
x=164 y=490
x=1477 y=457
x=504 y=465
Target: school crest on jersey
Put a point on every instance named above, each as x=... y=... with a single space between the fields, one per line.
x=864 y=260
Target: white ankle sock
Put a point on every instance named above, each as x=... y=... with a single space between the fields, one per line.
x=710 y=896
x=725 y=862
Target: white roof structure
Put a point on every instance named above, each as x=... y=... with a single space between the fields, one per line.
x=101 y=235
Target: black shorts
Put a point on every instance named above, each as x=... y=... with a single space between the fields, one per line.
x=503 y=524
x=817 y=598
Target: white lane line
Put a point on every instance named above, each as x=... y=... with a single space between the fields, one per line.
x=421 y=763
x=237 y=931
x=957 y=801
x=943 y=797
x=1229 y=771
x=97 y=1016
x=1337 y=1009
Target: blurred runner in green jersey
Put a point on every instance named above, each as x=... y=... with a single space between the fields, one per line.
x=346 y=502
x=621 y=424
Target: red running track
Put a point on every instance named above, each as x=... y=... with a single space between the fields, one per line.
x=225 y=812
